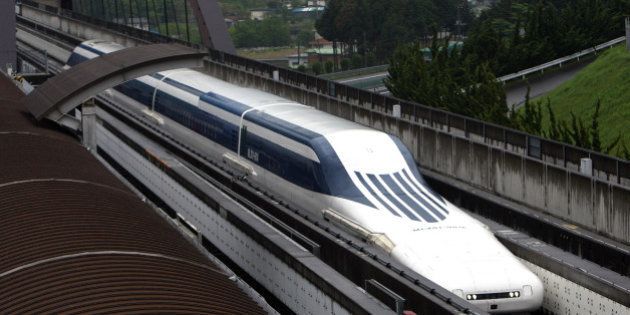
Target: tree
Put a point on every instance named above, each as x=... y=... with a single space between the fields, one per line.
x=447 y=82
x=530 y=119
x=270 y=32
x=577 y=132
x=304 y=38
x=516 y=34
x=329 y=66
x=345 y=65
x=378 y=27
x=317 y=68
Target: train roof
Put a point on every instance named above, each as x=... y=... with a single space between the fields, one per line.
x=294 y=120
x=237 y=100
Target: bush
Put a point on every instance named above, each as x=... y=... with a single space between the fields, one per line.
x=317 y=68
x=345 y=65
x=357 y=61
x=371 y=59
x=266 y=33
x=329 y=66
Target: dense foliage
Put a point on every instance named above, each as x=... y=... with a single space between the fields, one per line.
x=573 y=129
x=454 y=83
x=447 y=82
x=514 y=35
x=270 y=32
x=378 y=27
x=509 y=37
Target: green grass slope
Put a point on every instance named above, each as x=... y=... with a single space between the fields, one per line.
x=607 y=78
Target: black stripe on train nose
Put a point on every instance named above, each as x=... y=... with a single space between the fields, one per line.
x=365 y=184
x=422 y=200
x=394 y=201
x=422 y=211
x=437 y=199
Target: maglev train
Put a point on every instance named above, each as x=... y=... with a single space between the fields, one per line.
x=363 y=180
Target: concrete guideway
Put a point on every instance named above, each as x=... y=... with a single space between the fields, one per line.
x=59 y=95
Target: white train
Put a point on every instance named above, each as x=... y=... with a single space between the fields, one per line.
x=361 y=179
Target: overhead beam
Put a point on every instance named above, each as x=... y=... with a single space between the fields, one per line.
x=212 y=27
x=69 y=89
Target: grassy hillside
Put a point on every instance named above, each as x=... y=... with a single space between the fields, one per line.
x=607 y=78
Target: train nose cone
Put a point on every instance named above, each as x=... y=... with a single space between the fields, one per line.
x=489 y=285
x=469 y=273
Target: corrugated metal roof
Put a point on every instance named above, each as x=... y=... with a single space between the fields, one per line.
x=74 y=239
x=68 y=88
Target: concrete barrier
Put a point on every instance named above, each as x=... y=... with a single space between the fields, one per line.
x=619 y=221
x=557 y=199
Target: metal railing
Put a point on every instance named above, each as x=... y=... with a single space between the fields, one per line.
x=355 y=72
x=517 y=75
x=560 y=61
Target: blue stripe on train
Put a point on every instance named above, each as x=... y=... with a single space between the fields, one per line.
x=76 y=59
x=93 y=50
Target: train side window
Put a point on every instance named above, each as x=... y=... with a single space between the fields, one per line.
x=243 y=134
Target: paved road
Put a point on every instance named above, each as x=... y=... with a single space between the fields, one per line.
x=515 y=93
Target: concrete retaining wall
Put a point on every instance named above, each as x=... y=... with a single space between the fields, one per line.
x=591 y=202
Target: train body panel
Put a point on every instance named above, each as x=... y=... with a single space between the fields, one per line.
x=320 y=162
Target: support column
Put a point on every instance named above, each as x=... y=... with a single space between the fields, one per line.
x=212 y=27
x=8 y=54
x=88 y=125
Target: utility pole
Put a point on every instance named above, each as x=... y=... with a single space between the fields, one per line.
x=628 y=33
